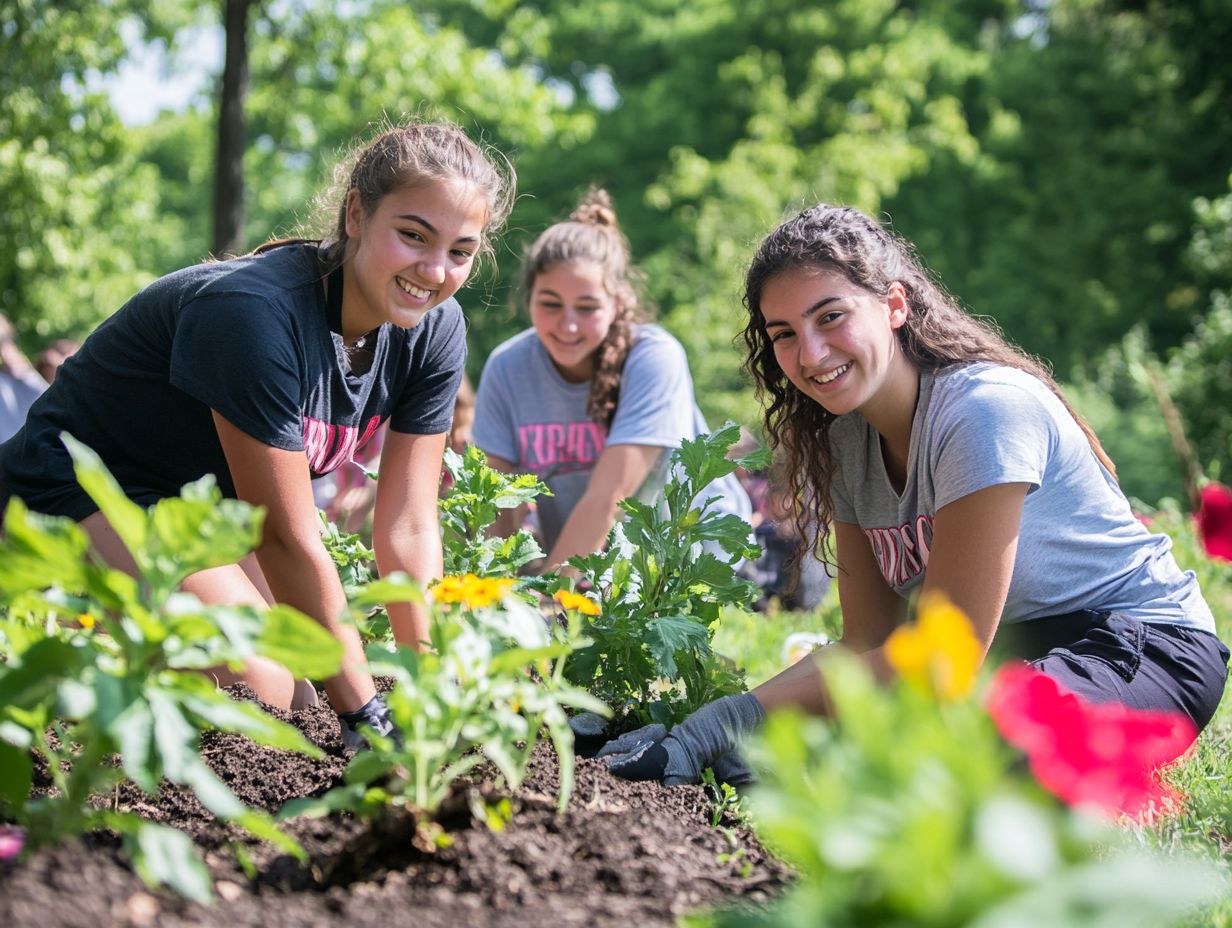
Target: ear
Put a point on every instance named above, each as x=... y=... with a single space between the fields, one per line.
x=897 y=304
x=354 y=214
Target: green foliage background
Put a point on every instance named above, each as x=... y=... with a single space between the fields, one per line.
x=1062 y=165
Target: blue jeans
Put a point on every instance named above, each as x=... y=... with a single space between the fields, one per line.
x=1108 y=657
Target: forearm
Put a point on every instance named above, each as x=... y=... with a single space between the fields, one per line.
x=802 y=685
x=301 y=576
x=417 y=554
x=586 y=529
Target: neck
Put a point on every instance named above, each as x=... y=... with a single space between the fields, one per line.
x=892 y=412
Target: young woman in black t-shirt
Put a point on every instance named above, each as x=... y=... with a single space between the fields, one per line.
x=274 y=368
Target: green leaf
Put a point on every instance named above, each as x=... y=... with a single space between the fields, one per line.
x=367 y=766
x=127 y=518
x=668 y=634
x=396 y=588
x=174 y=738
x=32 y=678
x=342 y=799
x=38 y=551
x=299 y=643
x=167 y=857
x=16 y=776
x=220 y=711
x=133 y=731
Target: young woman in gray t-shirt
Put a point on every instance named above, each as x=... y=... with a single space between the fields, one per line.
x=591 y=399
x=935 y=457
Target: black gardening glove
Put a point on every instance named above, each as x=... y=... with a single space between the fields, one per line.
x=707 y=738
x=373 y=714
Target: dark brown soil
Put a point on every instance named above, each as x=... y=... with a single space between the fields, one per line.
x=622 y=854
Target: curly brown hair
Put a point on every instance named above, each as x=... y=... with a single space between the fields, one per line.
x=592 y=234
x=938 y=334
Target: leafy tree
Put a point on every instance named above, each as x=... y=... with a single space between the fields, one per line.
x=77 y=211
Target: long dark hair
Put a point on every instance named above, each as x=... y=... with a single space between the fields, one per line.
x=592 y=234
x=936 y=335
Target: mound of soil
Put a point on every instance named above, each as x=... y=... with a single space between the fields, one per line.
x=622 y=854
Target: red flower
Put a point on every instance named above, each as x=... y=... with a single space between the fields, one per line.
x=1214 y=520
x=1098 y=754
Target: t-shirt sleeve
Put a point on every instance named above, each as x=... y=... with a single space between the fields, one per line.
x=996 y=433
x=238 y=355
x=656 y=405
x=426 y=404
x=494 y=430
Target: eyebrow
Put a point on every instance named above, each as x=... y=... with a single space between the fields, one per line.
x=411 y=217
x=547 y=291
x=808 y=312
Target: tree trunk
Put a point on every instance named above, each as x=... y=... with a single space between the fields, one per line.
x=229 y=164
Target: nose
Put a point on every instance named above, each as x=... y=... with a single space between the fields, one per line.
x=813 y=348
x=569 y=320
x=432 y=267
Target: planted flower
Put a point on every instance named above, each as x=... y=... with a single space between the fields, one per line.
x=1104 y=756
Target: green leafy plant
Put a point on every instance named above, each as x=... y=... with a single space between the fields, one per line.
x=99 y=663
x=472 y=506
x=491 y=680
x=906 y=811
x=351 y=556
x=667 y=573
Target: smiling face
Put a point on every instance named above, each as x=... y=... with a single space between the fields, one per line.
x=572 y=312
x=835 y=341
x=411 y=253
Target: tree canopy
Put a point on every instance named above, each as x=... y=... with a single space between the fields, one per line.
x=1061 y=165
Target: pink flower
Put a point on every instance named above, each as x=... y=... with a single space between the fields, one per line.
x=12 y=840
x=1097 y=754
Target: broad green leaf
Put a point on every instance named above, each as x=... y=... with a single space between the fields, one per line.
x=133 y=731
x=299 y=643
x=342 y=799
x=167 y=857
x=33 y=677
x=38 y=551
x=668 y=634
x=396 y=588
x=222 y=712
x=16 y=775
x=213 y=793
x=200 y=529
x=261 y=825
x=367 y=766
x=127 y=518
x=174 y=738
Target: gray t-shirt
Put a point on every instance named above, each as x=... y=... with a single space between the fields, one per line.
x=17 y=395
x=528 y=414
x=980 y=425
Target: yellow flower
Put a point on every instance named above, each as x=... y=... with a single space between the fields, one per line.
x=85 y=620
x=939 y=653
x=577 y=601
x=471 y=591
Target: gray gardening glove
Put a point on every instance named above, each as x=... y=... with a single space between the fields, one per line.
x=707 y=738
x=373 y=714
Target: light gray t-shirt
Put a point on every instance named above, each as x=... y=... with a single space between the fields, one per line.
x=528 y=414
x=1080 y=545
x=17 y=395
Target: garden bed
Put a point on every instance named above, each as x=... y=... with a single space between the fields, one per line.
x=621 y=854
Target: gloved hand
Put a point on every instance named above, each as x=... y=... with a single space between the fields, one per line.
x=373 y=714
x=707 y=738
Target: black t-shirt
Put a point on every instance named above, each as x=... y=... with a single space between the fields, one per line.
x=253 y=338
